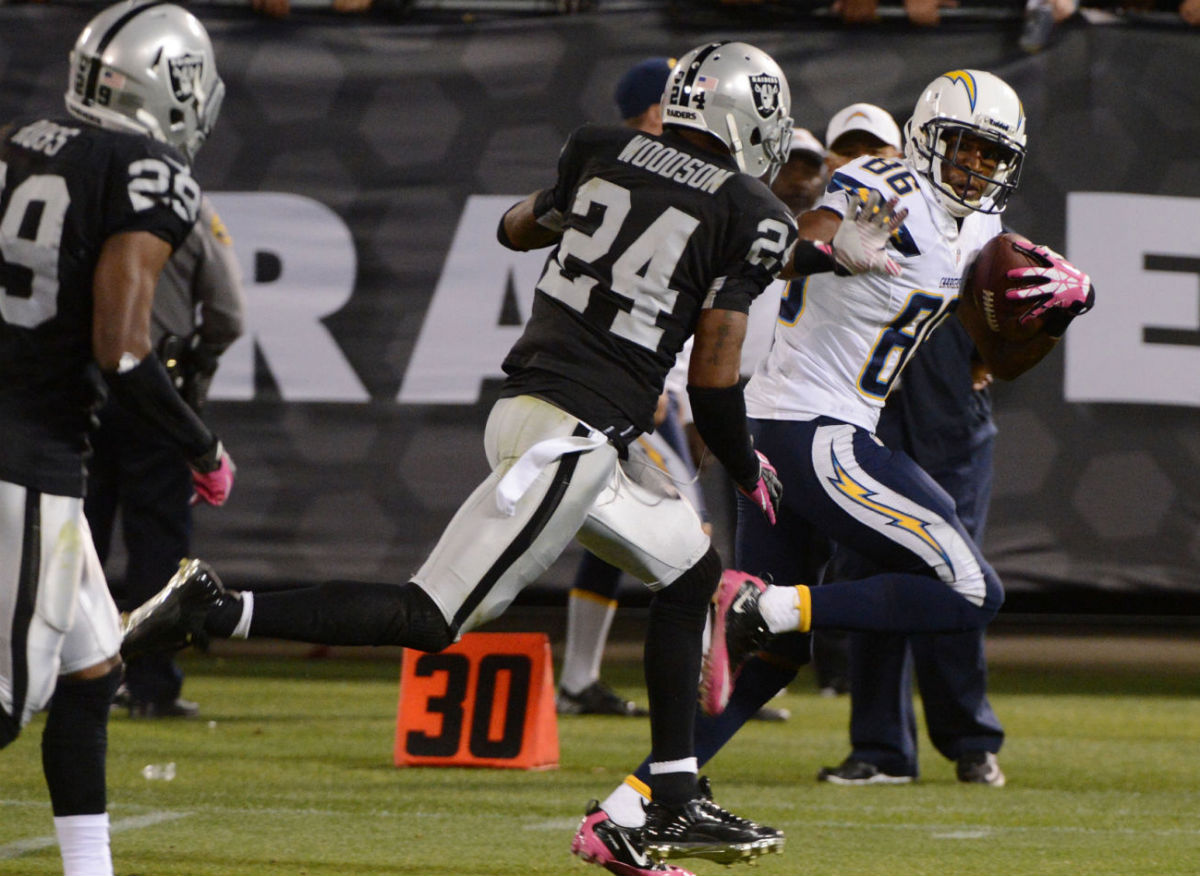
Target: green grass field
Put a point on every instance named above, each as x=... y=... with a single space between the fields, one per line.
x=289 y=772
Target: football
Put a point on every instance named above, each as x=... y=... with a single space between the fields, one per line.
x=987 y=282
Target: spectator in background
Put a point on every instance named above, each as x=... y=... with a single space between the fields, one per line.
x=923 y=13
x=638 y=94
x=283 y=8
x=861 y=129
x=854 y=130
x=802 y=178
x=197 y=314
x=1041 y=17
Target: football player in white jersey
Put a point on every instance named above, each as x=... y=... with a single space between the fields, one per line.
x=813 y=402
x=840 y=344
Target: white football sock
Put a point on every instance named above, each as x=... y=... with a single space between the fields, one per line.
x=589 y=618
x=83 y=842
x=626 y=805
x=780 y=608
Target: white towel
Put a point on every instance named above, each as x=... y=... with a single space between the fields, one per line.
x=517 y=481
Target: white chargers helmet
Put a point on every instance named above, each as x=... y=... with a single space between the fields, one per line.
x=968 y=102
x=147 y=68
x=738 y=94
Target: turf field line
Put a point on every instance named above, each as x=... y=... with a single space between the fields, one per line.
x=37 y=843
x=972 y=831
x=937 y=831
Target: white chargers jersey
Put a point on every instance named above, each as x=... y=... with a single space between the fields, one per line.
x=841 y=342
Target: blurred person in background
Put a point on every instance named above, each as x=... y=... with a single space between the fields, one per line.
x=923 y=13
x=197 y=314
x=853 y=131
x=861 y=129
x=283 y=8
x=802 y=178
x=810 y=166
x=92 y=205
x=638 y=94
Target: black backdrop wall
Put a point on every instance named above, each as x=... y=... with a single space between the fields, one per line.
x=361 y=168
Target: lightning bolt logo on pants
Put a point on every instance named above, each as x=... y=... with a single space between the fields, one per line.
x=861 y=495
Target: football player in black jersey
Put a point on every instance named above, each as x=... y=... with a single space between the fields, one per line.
x=656 y=238
x=90 y=209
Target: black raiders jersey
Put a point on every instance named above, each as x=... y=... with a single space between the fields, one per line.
x=65 y=187
x=654 y=230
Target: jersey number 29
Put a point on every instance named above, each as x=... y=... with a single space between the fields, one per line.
x=31 y=231
x=30 y=237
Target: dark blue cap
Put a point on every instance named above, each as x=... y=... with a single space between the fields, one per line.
x=642 y=86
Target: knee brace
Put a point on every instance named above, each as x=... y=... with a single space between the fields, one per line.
x=75 y=744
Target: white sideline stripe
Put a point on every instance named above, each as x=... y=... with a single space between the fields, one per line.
x=947 y=831
x=936 y=831
x=37 y=843
x=553 y=824
x=939 y=831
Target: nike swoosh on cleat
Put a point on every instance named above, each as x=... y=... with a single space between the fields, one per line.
x=638 y=857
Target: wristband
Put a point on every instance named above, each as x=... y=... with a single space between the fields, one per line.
x=209 y=461
x=545 y=213
x=813 y=257
x=146 y=391
x=543 y=203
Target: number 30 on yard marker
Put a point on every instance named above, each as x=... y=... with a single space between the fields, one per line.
x=486 y=701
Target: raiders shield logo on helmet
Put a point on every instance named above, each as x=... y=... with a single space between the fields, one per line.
x=766 y=94
x=186 y=71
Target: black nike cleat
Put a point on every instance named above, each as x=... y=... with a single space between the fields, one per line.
x=174 y=617
x=702 y=829
x=597 y=699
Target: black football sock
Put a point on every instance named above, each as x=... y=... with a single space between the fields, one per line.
x=222 y=619
x=344 y=613
x=673 y=655
x=757 y=683
x=75 y=743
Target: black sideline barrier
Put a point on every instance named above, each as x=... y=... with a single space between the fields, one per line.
x=361 y=167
